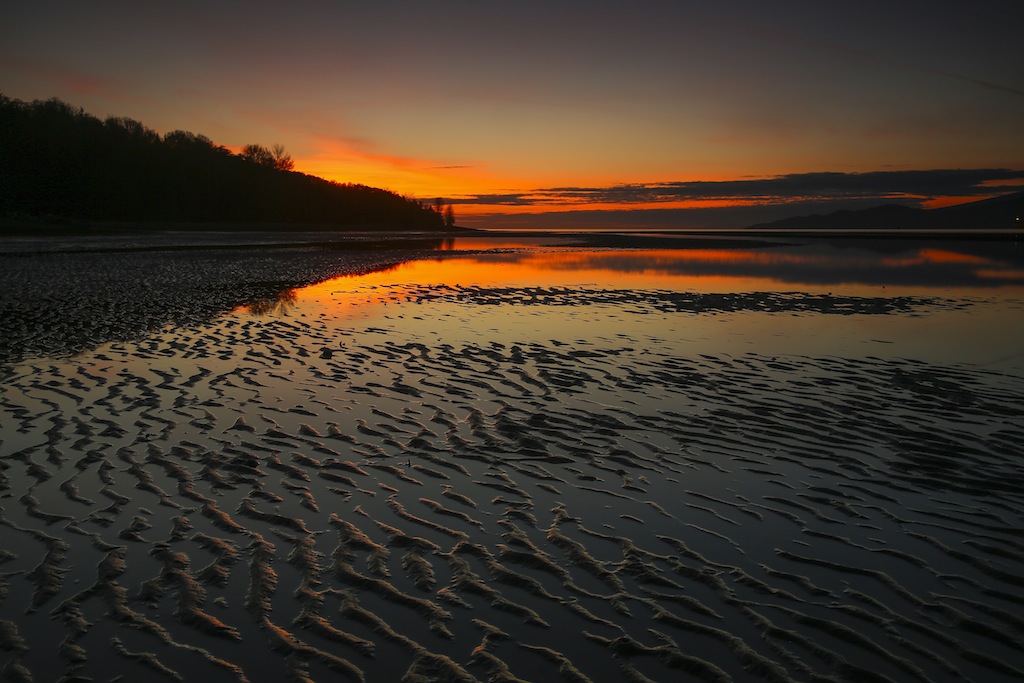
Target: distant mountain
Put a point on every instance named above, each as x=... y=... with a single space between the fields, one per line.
x=58 y=163
x=1003 y=212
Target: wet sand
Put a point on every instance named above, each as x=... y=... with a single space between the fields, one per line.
x=63 y=294
x=305 y=497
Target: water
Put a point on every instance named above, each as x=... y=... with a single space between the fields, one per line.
x=971 y=295
x=802 y=459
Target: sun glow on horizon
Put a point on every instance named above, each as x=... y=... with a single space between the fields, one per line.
x=953 y=200
x=477 y=192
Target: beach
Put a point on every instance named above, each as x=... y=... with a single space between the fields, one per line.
x=219 y=463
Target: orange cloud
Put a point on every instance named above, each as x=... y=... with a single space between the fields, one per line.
x=482 y=209
x=953 y=200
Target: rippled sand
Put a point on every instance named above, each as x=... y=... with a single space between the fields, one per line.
x=60 y=295
x=312 y=498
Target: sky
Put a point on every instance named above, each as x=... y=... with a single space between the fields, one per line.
x=565 y=113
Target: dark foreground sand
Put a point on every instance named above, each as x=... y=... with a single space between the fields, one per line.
x=304 y=498
x=67 y=293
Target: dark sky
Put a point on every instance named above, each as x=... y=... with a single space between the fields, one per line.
x=471 y=99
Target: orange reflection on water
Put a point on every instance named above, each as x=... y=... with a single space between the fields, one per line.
x=700 y=270
x=1001 y=274
x=647 y=269
x=820 y=269
x=658 y=258
x=494 y=244
x=925 y=256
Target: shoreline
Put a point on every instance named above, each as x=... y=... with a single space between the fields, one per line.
x=64 y=302
x=289 y=233
x=63 y=294
x=459 y=482
x=275 y=498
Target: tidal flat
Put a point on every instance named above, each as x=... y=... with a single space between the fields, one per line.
x=505 y=458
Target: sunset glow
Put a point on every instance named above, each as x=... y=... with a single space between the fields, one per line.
x=501 y=112
x=935 y=256
x=697 y=270
x=475 y=341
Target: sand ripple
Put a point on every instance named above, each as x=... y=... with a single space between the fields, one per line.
x=217 y=503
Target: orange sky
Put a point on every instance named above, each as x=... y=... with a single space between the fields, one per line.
x=467 y=99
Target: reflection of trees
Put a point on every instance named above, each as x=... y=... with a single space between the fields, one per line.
x=273 y=304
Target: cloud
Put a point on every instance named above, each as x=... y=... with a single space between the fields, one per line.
x=333 y=146
x=728 y=217
x=69 y=79
x=964 y=78
x=511 y=199
x=871 y=56
x=907 y=186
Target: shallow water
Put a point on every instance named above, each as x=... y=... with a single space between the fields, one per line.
x=971 y=296
x=796 y=461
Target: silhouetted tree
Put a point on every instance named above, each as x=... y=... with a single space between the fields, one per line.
x=282 y=160
x=184 y=139
x=449 y=216
x=275 y=157
x=257 y=154
x=58 y=161
x=131 y=128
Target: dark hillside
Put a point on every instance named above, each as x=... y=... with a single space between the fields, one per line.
x=1005 y=212
x=58 y=162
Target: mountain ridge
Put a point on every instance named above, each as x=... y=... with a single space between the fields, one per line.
x=994 y=213
x=59 y=164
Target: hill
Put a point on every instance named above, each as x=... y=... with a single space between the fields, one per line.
x=59 y=163
x=1004 y=212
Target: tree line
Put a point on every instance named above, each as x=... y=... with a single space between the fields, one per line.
x=58 y=162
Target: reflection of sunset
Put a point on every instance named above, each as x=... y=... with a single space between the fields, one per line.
x=997 y=274
x=702 y=270
x=935 y=256
x=271 y=305
x=357 y=296
x=492 y=244
x=663 y=257
x=941 y=256
x=542 y=262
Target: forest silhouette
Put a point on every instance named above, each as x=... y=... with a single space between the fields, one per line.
x=59 y=163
